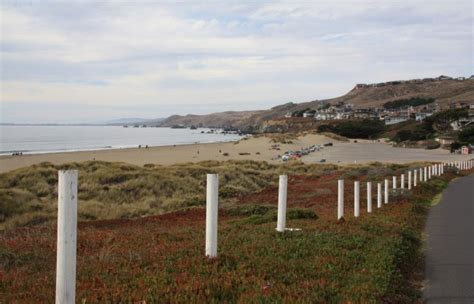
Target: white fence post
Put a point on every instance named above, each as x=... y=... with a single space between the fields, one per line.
x=282 y=197
x=386 y=191
x=394 y=182
x=409 y=180
x=212 y=201
x=421 y=175
x=402 y=181
x=369 y=197
x=415 y=177
x=67 y=237
x=425 y=169
x=356 y=199
x=340 y=199
x=429 y=171
x=379 y=195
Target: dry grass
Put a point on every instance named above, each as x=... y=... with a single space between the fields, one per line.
x=117 y=190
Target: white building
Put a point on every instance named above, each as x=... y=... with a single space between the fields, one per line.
x=391 y=120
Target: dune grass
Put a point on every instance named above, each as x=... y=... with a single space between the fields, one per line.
x=117 y=190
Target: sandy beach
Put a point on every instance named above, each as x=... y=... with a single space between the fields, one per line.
x=253 y=148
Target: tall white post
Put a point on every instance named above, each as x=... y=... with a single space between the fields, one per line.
x=402 y=181
x=435 y=169
x=212 y=201
x=415 y=177
x=394 y=182
x=356 y=199
x=67 y=237
x=386 y=191
x=282 y=196
x=409 y=180
x=369 y=197
x=379 y=195
x=340 y=199
x=430 y=168
x=421 y=175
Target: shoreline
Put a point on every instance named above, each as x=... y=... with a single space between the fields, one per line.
x=251 y=148
x=109 y=148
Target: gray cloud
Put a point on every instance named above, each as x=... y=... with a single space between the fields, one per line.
x=156 y=59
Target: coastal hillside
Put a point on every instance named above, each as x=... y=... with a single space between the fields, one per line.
x=214 y=120
x=444 y=90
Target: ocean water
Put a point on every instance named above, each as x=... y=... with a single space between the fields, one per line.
x=47 y=139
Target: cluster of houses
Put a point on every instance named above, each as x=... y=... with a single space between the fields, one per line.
x=343 y=110
x=347 y=111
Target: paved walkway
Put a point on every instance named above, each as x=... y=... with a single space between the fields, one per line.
x=449 y=274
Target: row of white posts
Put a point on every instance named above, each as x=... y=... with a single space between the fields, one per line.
x=67 y=216
x=424 y=174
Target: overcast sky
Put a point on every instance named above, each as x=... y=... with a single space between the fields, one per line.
x=90 y=61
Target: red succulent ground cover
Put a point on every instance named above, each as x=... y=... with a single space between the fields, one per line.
x=161 y=258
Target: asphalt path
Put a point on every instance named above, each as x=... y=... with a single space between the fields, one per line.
x=449 y=270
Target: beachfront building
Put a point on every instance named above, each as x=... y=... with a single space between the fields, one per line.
x=325 y=116
x=420 y=116
x=445 y=141
x=391 y=120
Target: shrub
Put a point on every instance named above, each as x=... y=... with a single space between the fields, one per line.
x=466 y=136
x=432 y=145
x=414 y=102
x=365 y=128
